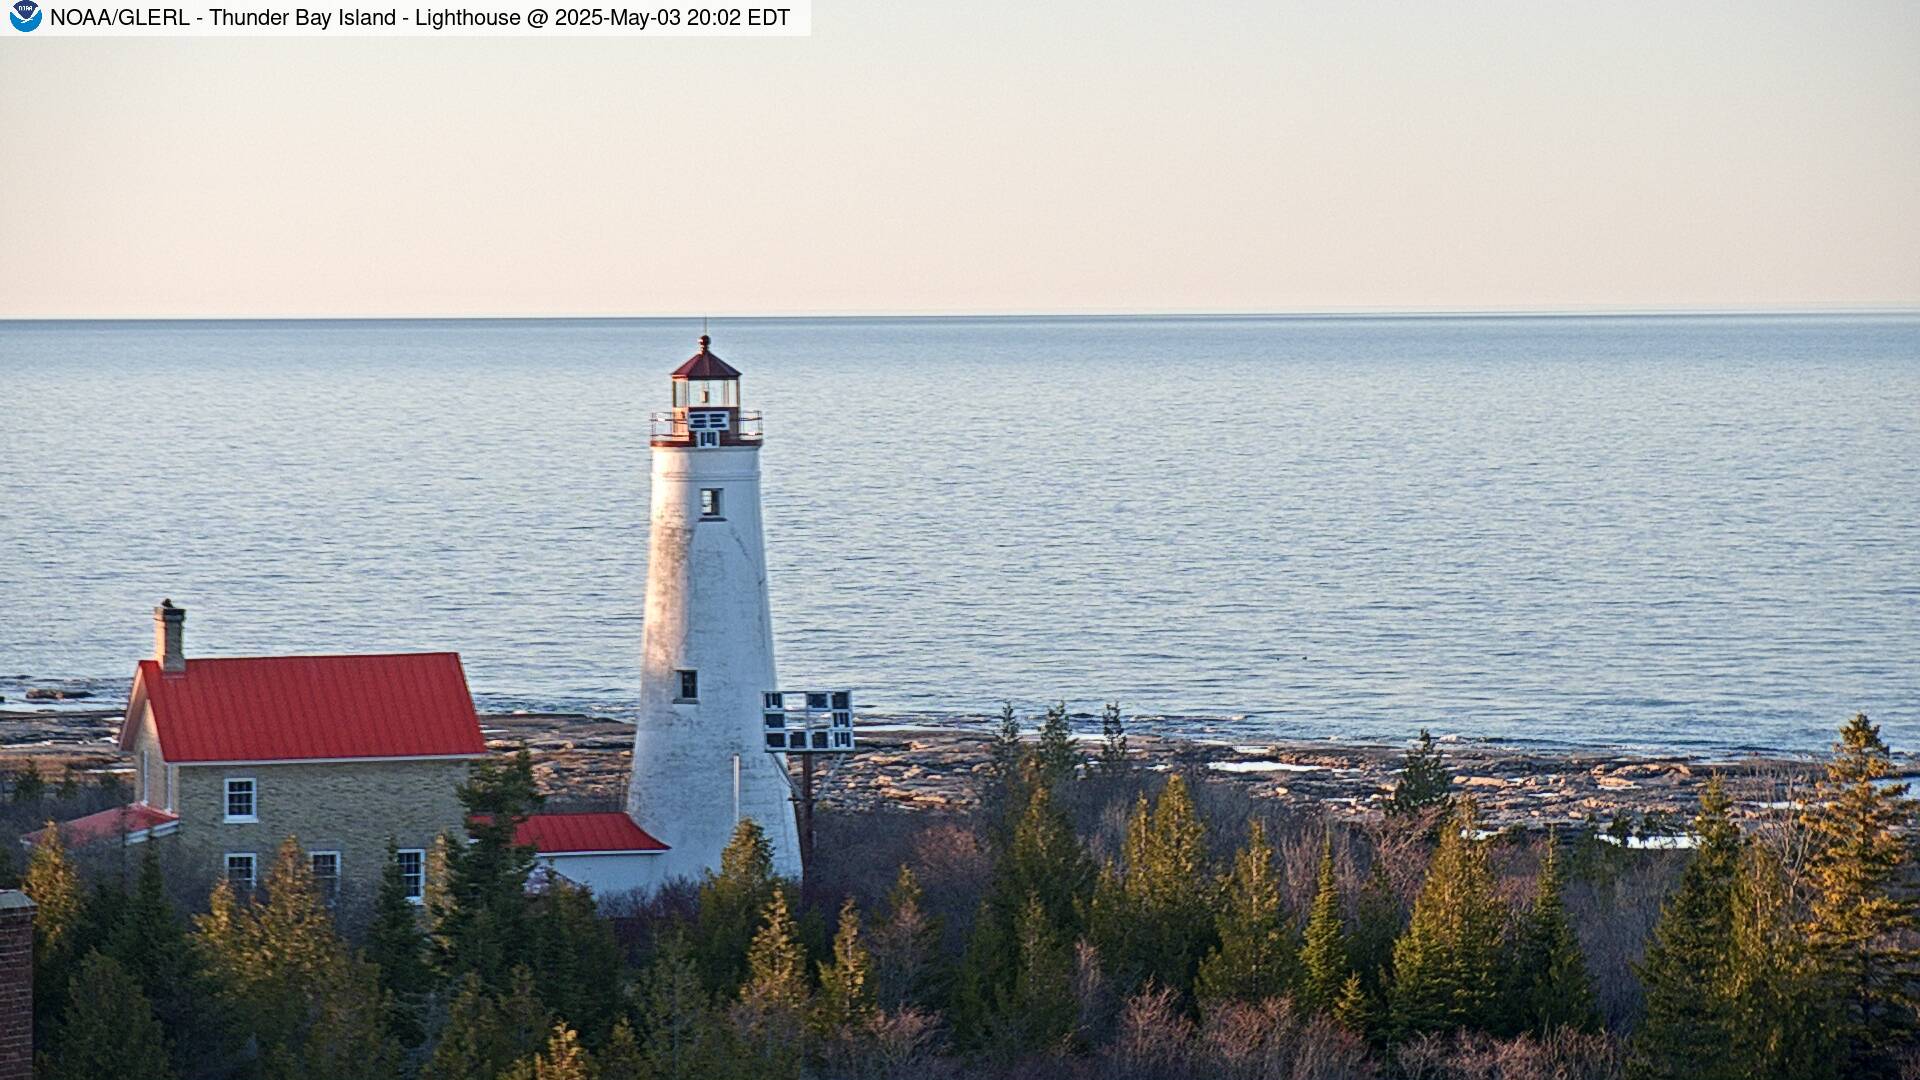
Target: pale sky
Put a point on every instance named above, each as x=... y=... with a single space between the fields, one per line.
x=986 y=156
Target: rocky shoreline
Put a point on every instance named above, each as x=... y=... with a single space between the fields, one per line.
x=936 y=765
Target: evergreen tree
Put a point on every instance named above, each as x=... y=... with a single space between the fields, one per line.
x=1376 y=926
x=905 y=947
x=1323 y=956
x=562 y=1059
x=1041 y=863
x=1256 y=958
x=576 y=962
x=1055 y=757
x=398 y=946
x=1003 y=793
x=28 y=785
x=1776 y=1010
x=485 y=1035
x=150 y=941
x=681 y=1037
x=731 y=905
x=774 y=1002
x=1423 y=782
x=1113 y=741
x=314 y=1008
x=1861 y=916
x=1687 y=1029
x=1550 y=988
x=846 y=996
x=9 y=867
x=481 y=920
x=1353 y=1009
x=1152 y=915
x=1037 y=1014
x=621 y=1058
x=53 y=885
x=108 y=1031
x=1446 y=965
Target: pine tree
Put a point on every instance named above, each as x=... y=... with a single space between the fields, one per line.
x=1687 y=1029
x=28 y=785
x=1376 y=926
x=1040 y=1005
x=774 y=1001
x=731 y=905
x=1446 y=965
x=846 y=998
x=485 y=1035
x=398 y=946
x=1113 y=741
x=1423 y=782
x=481 y=920
x=1055 y=757
x=53 y=885
x=1550 y=987
x=1256 y=958
x=288 y=978
x=1860 y=913
x=1323 y=956
x=1776 y=1010
x=562 y=1059
x=621 y=1058
x=906 y=947
x=1152 y=915
x=150 y=939
x=1004 y=791
x=576 y=962
x=108 y=1031
x=1042 y=862
x=681 y=1036
x=1353 y=1008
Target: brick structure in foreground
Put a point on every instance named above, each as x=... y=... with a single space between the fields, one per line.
x=16 y=986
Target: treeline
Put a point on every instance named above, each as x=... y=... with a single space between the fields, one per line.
x=1114 y=927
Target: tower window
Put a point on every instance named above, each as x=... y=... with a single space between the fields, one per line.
x=709 y=502
x=689 y=685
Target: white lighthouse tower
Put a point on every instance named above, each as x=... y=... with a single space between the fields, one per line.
x=700 y=758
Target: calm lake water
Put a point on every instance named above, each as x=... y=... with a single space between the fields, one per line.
x=1696 y=533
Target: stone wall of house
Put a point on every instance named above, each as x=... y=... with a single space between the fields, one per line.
x=348 y=807
x=16 y=986
x=152 y=779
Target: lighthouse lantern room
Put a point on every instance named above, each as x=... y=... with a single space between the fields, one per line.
x=706 y=406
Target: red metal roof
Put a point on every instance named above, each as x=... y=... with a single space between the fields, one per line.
x=119 y=821
x=285 y=708
x=705 y=365
x=577 y=834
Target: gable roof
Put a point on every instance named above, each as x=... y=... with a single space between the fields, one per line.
x=305 y=708
x=135 y=822
x=584 y=834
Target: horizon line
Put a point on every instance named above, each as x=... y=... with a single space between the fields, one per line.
x=1327 y=313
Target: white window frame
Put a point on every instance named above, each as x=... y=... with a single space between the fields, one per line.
x=253 y=799
x=146 y=771
x=714 y=508
x=328 y=892
x=416 y=882
x=253 y=867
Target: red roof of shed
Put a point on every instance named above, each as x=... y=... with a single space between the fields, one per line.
x=129 y=821
x=579 y=834
x=705 y=365
x=287 y=708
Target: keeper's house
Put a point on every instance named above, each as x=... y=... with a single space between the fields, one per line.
x=346 y=753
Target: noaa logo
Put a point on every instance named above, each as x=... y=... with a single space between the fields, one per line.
x=25 y=15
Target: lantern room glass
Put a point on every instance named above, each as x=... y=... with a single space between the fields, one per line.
x=722 y=392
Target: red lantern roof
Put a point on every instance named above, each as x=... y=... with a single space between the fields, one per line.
x=705 y=365
x=305 y=708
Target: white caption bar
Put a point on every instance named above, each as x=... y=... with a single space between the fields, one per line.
x=30 y=19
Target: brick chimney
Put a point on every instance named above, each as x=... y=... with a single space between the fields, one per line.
x=16 y=986
x=168 y=622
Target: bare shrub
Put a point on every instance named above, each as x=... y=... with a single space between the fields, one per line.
x=1562 y=1055
x=1154 y=1040
x=900 y=1045
x=1270 y=1041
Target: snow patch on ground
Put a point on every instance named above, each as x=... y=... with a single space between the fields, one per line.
x=1261 y=766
